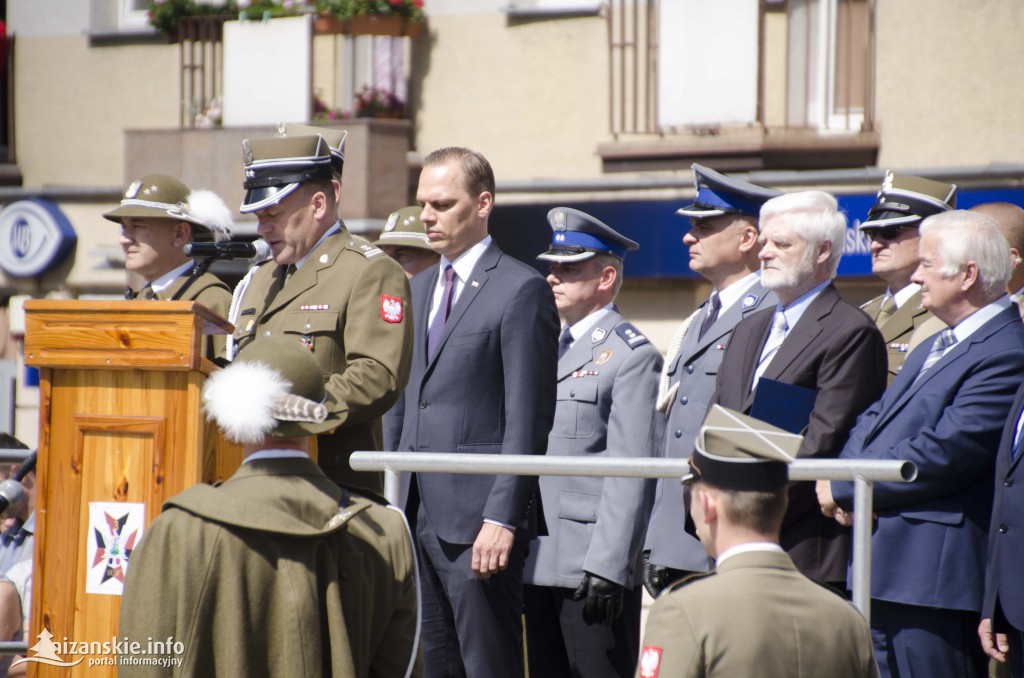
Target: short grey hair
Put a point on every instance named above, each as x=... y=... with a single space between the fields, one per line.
x=970 y=236
x=816 y=218
x=602 y=260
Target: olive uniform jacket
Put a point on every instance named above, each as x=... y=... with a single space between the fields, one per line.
x=756 y=615
x=349 y=305
x=211 y=292
x=607 y=385
x=277 y=572
x=898 y=328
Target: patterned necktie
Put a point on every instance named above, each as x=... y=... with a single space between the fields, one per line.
x=945 y=339
x=564 y=342
x=771 y=347
x=715 y=305
x=441 y=317
x=1019 y=440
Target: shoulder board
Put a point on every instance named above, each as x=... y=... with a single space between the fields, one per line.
x=689 y=579
x=630 y=335
x=367 y=250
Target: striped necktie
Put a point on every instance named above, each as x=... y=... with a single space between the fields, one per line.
x=945 y=339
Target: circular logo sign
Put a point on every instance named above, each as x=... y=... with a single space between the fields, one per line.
x=35 y=236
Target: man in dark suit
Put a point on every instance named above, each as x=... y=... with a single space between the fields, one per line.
x=723 y=249
x=945 y=412
x=583 y=597
x=1002 y=626
x=814 y=340
x=483 y=381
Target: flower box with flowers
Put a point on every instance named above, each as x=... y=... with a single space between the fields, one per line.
x=349 y=17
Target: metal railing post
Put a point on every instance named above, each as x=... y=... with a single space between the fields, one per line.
x=862 y=518
x=391 y=485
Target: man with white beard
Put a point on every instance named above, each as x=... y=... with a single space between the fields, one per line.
x=814 y=340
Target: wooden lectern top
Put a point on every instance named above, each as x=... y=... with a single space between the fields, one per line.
x=163 y=335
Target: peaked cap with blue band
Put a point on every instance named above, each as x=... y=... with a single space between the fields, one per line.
x=718 y=194
x=906 y=200
x=577 y=236
x=274 y=168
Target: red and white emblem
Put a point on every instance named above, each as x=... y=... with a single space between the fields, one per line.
x=650 y=661
x=391 y=308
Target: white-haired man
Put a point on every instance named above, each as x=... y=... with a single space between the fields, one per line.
x=278 y=571
x=159 y=215
x=815 y=340
x=945 y=412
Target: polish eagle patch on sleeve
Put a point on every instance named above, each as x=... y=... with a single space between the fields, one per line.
x=391 y=308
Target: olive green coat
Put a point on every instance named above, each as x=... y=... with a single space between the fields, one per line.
x=898 y=328
x=277 y=572
x=756 y=615
x=349 y=304
x=212 y=293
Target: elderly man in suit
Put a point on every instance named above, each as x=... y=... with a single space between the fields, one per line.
x=945 y=412
x=159 y=215
x=755 y=615
x=891 y=227
x=1002 y=627
x=814 y=340
x=582 y=597
x=483 y=381
x=339 y=297
x=723 y=248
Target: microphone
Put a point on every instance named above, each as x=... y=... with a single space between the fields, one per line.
x=257 y=249
x=12 y=492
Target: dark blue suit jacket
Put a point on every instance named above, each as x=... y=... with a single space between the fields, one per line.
x=489 y=389
x=1004 y=584
x=929 y=541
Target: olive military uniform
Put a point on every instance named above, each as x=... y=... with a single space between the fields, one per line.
x=898 y=328
x=348 y=304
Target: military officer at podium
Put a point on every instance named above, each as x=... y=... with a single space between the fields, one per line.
x=159 y=215
x=583 y=593
x=339 y=297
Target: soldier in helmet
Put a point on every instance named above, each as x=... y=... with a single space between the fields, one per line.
x=159 y=215
x=405 y=240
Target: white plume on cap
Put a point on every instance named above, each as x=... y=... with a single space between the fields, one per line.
x=241 y=398
x=207 y=208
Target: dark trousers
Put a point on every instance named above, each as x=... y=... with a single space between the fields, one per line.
x=469 y=627
x=559 y=644
x=910 y=640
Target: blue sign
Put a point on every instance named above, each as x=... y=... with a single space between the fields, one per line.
x=523 y=231
x=35 y=236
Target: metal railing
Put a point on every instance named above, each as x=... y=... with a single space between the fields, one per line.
x=863 y=473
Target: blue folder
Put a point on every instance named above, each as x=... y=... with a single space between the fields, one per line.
x=784 y=405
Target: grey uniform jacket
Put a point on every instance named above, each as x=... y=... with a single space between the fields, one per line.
x=695 y=369
x=607 y=384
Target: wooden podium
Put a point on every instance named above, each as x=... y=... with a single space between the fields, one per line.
x=120 y=421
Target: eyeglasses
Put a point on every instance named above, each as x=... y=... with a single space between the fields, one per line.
x=885 y=232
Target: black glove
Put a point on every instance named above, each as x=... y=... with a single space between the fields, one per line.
x=604 y=599
x=653 y=575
